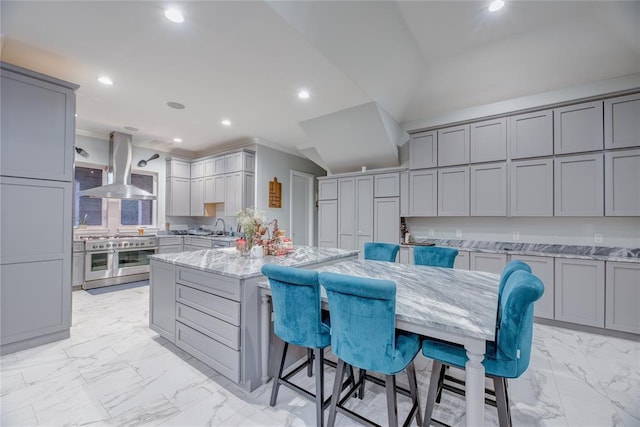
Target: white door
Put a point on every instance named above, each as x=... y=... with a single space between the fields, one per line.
x=301 y=208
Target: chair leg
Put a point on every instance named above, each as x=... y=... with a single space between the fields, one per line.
x=276 y=380
x=335 y=397
x=361 y=376
x=443 y=372
x=415 y=396
x=310 y=362
x=319 y=356
x=433 y=390
x=392 y=406
x=502 y=401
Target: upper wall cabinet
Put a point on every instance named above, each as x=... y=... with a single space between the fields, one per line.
x=488 y=141
x=622 y=183
x=531 y=135
x=579 y=185
x=423 y=150
x=178 y=169
x=577 y=128
x=197 y=170
x=453 y=146
x=532 y=187
x=328 y=189
x=386 y=185
x=453 y=191
x=233 y=162
x=423 y=192
x=38 y=119
x=218 y=165
x=621 y=122
x=489 y=189
x=209 y=167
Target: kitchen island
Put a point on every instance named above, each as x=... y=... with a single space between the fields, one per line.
x=207 y=303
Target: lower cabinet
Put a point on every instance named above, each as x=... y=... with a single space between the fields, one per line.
x=162 y=300
x=386 y=219
x=77 y=270
x=328 y=223
x=542 y=267
x=405 y=255
x=489 y=262
x=579 y=291
x=623 y=297
x=462 y=260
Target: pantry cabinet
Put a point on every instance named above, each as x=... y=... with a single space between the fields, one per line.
x=328 y=223
x=328 y=189
x=580 y=291
x=578 y=128
x=364 y=211
x=346 y=210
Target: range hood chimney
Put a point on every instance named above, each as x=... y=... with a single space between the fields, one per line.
x=120 y=167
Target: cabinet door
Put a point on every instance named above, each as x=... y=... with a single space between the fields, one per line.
x=405 y=255
x=208 y=167
x=249 y=190
x=209 y=190
x=491 y=263
x=197 y=169
x=328 y=223
x=327 y=189
x=542 y=267
x=453 y=146
x=178 y=169
x=197 y=195
x=579 y=185
x=404 y=194
x=622 y=183
x=162 y=299
x=232 y=193
x=233 y=162
x=453 y=191
x=387 y=220
x=364 y=211
x=489 y=189
x=579 y=287
x=249 y=161
x=577 y=128
x=387 y=185
x=531 y=187
x=531 y=135
x=623 y=297
x=178 y=197
x=218 y=165
x=622 y=122
x=346 y=216
x=219 y=183
x=38 y=127
x=77 y=272
x=423 y=150
x=462 y=261
x=488 y=141
x=423 y=192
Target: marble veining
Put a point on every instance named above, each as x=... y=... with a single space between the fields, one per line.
x=230 y=263
x=601 y=253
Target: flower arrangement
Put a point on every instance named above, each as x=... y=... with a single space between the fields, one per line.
x=259 y=231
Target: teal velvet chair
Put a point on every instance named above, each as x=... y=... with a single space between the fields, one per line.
x=363 y=335
x=508 y=356
x=381 y=251
x=297 y=319
x=434 y=256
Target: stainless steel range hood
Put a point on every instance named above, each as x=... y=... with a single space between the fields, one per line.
x=120 y=167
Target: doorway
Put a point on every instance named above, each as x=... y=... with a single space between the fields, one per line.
x=301 y=215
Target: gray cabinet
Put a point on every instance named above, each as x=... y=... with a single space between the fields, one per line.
x=214 y=189
x=77 y=266
x=405 y=255
x=328 y=223
x=233 y=162
x=218 y=165
x=178 y=169
x=386 y=185
x=197 y=169
x=577 y=128
x=622 y=182
x=623 y=297
x=423 y=150
x=364 y=211
x=197 y=197
x=531 y=187
x=169 y=244
x=579 y=291
x=488 y=141
x=453 y=191
x=543 y=268
x=531 y=134
x=233 y=193
x=489 y=189
x=462 y=261
x=579 y=185
x=622 y=122
x=162 y=299
x=492 y=263
x=346 y=210
x=209 y=167
x=178 y=197
x=423 y=192
x=327 y=189
x=453 y=146
x=387 y=219
x=404 y=194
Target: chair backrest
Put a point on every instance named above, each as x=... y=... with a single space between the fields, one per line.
x=381 y=251
x=515 y=332
x=363 y=317
x=434 y=256
x=295 y=295
x=510 y=268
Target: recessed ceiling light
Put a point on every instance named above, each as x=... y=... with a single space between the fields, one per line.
x=226 y=122
x=105 y=80
x=175 y=105
x=496 y=5
x=304 y=94
x=76 y=115
x=177 y=139
x=174 y=15
x=131 y=128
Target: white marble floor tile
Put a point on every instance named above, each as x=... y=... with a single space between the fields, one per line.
x=19 y=417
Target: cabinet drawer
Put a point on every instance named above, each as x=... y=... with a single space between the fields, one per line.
x=170 y=241
x=215 y=354
x=219 y=285
x=222 y=308
x=215 y=328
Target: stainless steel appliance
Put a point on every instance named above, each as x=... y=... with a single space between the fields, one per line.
x=112 y=260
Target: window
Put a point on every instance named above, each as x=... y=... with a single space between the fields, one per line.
x=138 y=212
x=86 y=209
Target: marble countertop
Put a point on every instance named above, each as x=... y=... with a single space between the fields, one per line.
x=541 y=249
x=229 y=262
x=226 y=238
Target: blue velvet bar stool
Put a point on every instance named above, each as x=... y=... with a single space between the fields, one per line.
x=434 y=256
x=381 y=251
x=508 y=357
x=363 y=335
x=295 y=295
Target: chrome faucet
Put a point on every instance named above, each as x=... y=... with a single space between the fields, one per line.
x=224 y=225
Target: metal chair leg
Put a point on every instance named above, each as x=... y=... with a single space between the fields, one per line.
x=443 y=373
x=392 y=406
x=310 y=362
x=415 y=396
x=276 y=380
x=361 y=375
x=319 y=356
x=502 y=401
x=335 y=397
x=433 y=390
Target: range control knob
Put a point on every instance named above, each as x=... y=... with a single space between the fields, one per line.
x=102 y=246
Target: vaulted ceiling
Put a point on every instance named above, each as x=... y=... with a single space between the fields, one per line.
x=373 y=68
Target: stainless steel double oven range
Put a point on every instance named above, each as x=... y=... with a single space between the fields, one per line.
x=112 y=260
